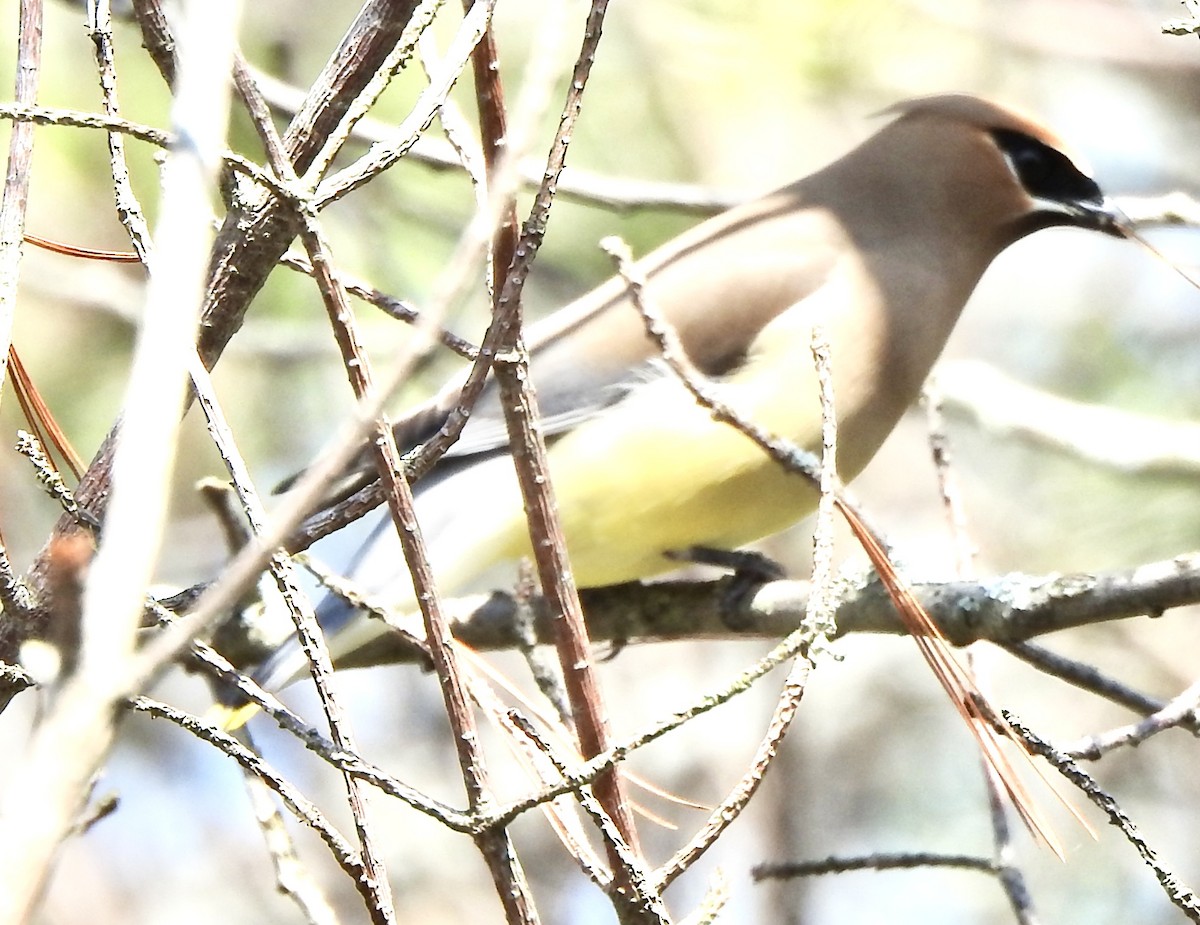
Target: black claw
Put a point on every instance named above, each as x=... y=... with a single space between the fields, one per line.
x=615 y=647
x=750 y=571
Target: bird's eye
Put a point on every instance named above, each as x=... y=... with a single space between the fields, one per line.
x=1032 y=163
x=1045 y=172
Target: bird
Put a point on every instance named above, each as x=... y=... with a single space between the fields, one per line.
x=882 y=248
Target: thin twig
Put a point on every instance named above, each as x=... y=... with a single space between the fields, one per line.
x=645 y=895
x=1012 y=879
x=292 y=878
x=467 y=151
x=383 y=155
x=399 y=309
x=795 y=459
x=616 y=194
x=48 y=785
x=521 y=415
x=302 y=808
x=310 y=738
x=397 y=59
x=545 y=670
x=13 y=203
x=373 y=882
x=29 y=114
x=50 y=478
x=528 y=443
x=787 y=649
x=1182 y=896
x=1088 y=678
x=905 y=861
x=484 y=681
x=129 y=210
x=820 y=615
x=1181 y=711
x=42 y=115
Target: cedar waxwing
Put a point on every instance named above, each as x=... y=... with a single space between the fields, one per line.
x=882 y=248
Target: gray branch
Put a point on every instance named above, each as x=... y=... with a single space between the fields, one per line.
x=1005 y=609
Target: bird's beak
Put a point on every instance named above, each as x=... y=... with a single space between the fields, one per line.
x=1101 y=216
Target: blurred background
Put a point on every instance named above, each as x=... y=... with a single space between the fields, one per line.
x=739 y=98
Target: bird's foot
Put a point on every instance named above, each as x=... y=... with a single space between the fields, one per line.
x=750 y=571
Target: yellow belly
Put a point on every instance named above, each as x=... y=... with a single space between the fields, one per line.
x=627 y=494
x=722 y=495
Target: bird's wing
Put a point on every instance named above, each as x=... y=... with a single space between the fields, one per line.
x=590 y=355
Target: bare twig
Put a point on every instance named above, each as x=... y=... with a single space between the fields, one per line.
x=1180 y=711
x=29 y=114
x=302 y=808
x=373 y=881
x=521 y=414
x=292 y=878
x=1183 y=897
x=342 y=760
x=156 y=37
x=396 y=308
x=50 y=478
x=820 y=614
x=787 y=649
x=15 y=596
x=399 y=56
x=129 y=210
x=616 y=194
x=48 y=786
x=906 y=861
x=1011 y=877
x=1087 y=677
x=645 y=894
x=13 y=204
x=1006 y=610
x=383 y=155
x=512 y=258
x=258 y=233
